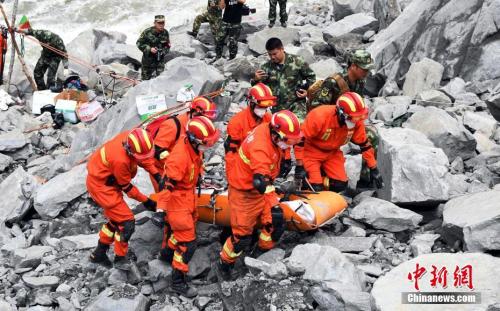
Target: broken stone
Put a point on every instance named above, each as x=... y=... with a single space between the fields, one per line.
x=257 y=41
x=5 y=162
x=346 y=244
x=276 y=270
x=422 y=243
x=79 y=242
x=12 y=141
x=48 y=142
x=159 y=269
x=19 y=186
x=479 y=227
x=354 y=232
x=52 y=197
x=42 y=281
x=433 y=98
x=30 y=257
x=105 y=302
x=423 y=75
x=272 y=256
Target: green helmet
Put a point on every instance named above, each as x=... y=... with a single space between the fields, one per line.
x=363 y=59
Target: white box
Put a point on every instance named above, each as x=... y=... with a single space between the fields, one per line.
x=42 y=98
x=68 y=109
x=150 y=104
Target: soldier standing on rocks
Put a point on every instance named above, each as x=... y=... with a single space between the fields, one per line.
x=350 y=80
x=49 y=60
x=154 y=43
x=288 y=76
x=272 y=12
x=230 y=27
x=212 y=15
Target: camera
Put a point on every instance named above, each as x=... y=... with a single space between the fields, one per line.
x=245 y=10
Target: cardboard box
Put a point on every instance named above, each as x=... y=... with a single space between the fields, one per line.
x=42 y=98
x=150 y=104
x=67 y=103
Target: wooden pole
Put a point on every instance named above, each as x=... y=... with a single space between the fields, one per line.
x=12 y=50
x=16 y=48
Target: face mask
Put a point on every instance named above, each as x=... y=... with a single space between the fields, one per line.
x=282 y=145
x=350 y=124
x=259 y=112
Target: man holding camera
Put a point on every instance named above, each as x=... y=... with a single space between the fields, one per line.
x=272 y=12
x=231 y=26
x=154 y=43
x=288 y=76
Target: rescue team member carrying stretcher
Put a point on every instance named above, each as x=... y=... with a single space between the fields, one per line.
x=326 y=129
x=110 y=172
x=182 y=171
x=252 y=197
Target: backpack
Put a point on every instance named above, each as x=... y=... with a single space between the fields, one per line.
x=312 y=91
x=154 y=126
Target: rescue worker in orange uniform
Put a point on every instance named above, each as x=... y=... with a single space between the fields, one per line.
x=326 y=129
x=252 y=197
x=110 y=172
x=178 y=200
x=260 y=99
x=172 y=128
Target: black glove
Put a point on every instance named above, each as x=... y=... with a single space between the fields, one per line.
x=150 y=205
x=300 y=172
x=278 y=223
x=158 y=219
x=285 y=168
x=376 y=178
x=128 y=230
x=161 y=181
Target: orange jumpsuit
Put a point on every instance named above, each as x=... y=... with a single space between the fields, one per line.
x=323 y=138
x=165 y=139
x=110 y=172
x=238 y=129
x=183 y=168
x=257 y=155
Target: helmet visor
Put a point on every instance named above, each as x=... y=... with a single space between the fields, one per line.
x=266 y=103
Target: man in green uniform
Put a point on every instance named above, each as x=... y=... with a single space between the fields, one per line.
x=352 y=79
x=49 y=60
x=154 y=43
x=230 y=27
x=212 y=15
x=288 y=76
x=272 y=12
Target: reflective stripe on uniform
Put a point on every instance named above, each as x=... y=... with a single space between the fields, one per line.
x=243 y=156
x=230 y=253
x=326 y=183
x=103 y=157
x=106 y=231
x=173 y=240
x=118 y=237
x=178 y=257
x=265 y=237
x=326 y=135
x=270 y=189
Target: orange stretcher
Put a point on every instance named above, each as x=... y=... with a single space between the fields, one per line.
x=301 y=214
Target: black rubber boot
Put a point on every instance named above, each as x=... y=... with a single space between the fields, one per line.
x=180 y=285
x=122 y=263
x=167 y=255
x=99 y=256
x=224 y=271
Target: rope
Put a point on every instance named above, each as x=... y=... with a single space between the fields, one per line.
x=82 y=62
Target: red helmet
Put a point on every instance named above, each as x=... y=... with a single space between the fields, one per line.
x=204 y=106
x=353 y=106
x=140 y=144
x=287 y=125
x=262 y=96
x=203 y=130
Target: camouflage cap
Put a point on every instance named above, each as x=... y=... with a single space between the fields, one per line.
x=363 y=59
x=159 y=18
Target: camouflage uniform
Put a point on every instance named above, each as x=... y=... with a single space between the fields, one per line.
x=48 y=61
x=284 y=80
x=153 y=64
x=232 y=33
x=330 y=91
x=272 y=11
x=212 y=16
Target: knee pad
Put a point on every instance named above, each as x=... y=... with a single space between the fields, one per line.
x=337 y=185
x=243 y=243
x=127 y=229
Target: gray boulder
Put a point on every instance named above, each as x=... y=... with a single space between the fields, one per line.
x=185 y=45
x=493 y=102
x=199 y=263
x=106 y=301
x=357 y=23
x=455 y=87
x=444 y=131
x=386 y=11
x=422 y=243
x=30 y=257
x=42 y=281
x=423 y=75
x=276 y=270
x=257 y=41
x=386 y=291
x=344 y=8
x=480 y=122
x=385 y=215
x=5 y=162
x=12 y=141
x=325 y=68
x=241 y=68
x=122 y=116
x=19 y=186
x=80 y=241
x=388 y=110
x=408 y=160
x=434 y=98
x=424 y=29
x=53 y=197
x=479 y=227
